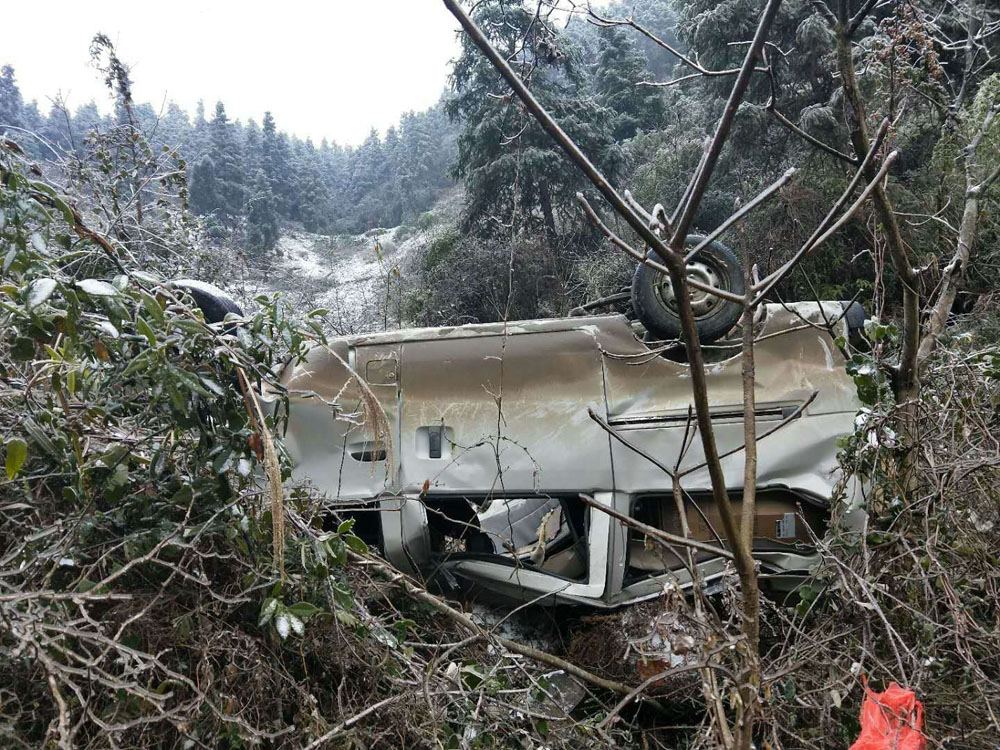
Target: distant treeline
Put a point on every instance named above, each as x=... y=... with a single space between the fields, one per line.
x=254 y=172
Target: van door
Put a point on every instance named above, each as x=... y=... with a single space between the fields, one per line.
x=405 y=536
x=334 y=442
x=378 y=365
x=511 y=412
x=501 y=422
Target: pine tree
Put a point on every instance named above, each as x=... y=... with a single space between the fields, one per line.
x=199 y=140
x=620 y=67
x=276 y=164
x=203 y=197
x=392 y=190
x=175 y=131
x=86 y=119
x=658 y=16
x=511 y=167
x=33 y=122
x=262 y=216
x=369 y=175
x=407 y=162
x=252 y=154
x=369 y=166
x=440 y=137
x=330 y=188
x=312 y=199
x=10 y=100
x=335 y=173
x=227 y=160
x=55 y=130
x=147 y=118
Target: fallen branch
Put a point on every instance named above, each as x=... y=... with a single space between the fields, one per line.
x=347 y=724
x=418 y=592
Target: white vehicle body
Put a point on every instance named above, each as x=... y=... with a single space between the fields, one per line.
x=489 y=446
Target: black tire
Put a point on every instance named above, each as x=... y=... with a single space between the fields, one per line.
x=652 y=294
x=212 y=301
x=214 y=304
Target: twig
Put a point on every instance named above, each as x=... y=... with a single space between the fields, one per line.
x=773 y=109
x=645 y=259
x=348 y=723
x=819 y=236
x=611 y=299
x=704 y=173
x=744 y=210
x=415 y=590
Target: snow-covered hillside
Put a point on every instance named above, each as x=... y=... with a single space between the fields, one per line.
x=358 y=278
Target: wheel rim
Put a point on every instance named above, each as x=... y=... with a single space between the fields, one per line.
x=703 y=304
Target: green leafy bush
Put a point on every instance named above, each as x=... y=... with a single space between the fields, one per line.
x=135 y=523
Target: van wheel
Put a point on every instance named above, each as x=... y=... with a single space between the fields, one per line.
x=655 y=306
x=212 y=301
x=214 y=304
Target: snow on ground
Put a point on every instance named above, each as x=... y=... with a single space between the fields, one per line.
x=346 y=274
x=299 y=255
x=355 y=276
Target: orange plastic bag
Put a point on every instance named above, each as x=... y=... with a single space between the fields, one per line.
x=891 y=720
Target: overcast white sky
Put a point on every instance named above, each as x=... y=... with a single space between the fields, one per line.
x=333 y=68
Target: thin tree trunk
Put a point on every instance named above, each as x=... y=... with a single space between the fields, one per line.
x=751 y=596
x=905 y=380
x=954 y=275
x=545 y=197
x=743 y=559
x=749 y=422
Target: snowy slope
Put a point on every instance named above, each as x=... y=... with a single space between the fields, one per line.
x=356 y=277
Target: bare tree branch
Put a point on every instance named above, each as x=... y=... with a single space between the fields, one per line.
x=858 y=18
x=768 y=283
x=644 y=257
x=552 y=128
x=743 y=211
x=700 y=70
x=655 y=533
x=787 y=268
x=704 y=173
x=773 y=109
x=824 y=10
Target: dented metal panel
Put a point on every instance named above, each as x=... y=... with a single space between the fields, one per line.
x=649 y=400
x=514 y=408
x=793 y=359
x=327 y=418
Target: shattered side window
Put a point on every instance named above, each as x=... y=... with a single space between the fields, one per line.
x=784 y=521
x=541 y=532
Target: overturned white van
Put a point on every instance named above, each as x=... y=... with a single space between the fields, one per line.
x=475 y=474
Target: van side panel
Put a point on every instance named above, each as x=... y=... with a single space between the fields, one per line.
x=327 y=422
x=513 y=410
x=649 y=398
